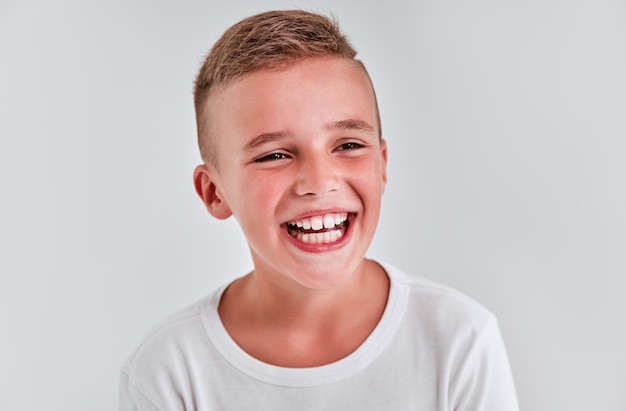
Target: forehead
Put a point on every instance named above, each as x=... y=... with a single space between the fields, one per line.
x=319 y=89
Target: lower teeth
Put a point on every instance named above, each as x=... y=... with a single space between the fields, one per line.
x=318 y=238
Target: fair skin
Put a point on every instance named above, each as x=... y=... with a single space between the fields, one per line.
x=302 y=168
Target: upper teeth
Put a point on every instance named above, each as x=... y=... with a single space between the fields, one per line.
x=319 y=222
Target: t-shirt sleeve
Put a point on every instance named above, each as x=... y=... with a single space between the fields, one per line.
x=131 y=398
x=485 y=381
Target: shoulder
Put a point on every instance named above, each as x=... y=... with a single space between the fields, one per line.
x=163 y=371
x=437 y=308
x=448 y=333
x=160 y=369
x=166 y=334
x=431 y=292
x=171 y=342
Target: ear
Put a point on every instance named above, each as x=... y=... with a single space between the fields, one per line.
x=383 y=153
x=206 y=183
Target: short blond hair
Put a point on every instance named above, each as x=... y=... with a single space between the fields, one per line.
x=267 y=41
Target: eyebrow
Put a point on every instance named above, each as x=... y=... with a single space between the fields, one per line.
x=349 y=124
x=266 y=138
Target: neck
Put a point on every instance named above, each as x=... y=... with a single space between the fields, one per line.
x=333 y=321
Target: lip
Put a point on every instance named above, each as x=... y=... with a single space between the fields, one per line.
x=321 y=248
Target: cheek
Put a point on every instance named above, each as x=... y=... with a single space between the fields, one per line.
x=262 y=196
x=370 y=178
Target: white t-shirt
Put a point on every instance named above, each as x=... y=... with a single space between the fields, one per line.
x=433 y=349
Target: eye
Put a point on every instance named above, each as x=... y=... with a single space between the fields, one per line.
x=271 y=157
x=351 y=145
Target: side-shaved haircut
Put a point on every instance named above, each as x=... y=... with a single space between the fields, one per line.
x=271 y=40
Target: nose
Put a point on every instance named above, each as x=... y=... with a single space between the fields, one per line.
x=316 y=176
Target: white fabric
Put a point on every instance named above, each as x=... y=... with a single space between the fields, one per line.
x=433 y=349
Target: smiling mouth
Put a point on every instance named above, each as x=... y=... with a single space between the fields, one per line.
x=322 y=229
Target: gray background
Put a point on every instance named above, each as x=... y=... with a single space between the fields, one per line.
x=505 y=122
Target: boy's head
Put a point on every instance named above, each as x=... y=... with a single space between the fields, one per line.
x=290 y=136
x=271 y=40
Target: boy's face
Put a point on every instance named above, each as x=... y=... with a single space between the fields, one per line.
x=301 y=167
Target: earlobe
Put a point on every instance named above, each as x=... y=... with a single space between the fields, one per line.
x=206 y=184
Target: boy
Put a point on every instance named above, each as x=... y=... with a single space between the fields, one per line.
x=290 y=136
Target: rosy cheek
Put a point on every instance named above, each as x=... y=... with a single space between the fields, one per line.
x=263 y=195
